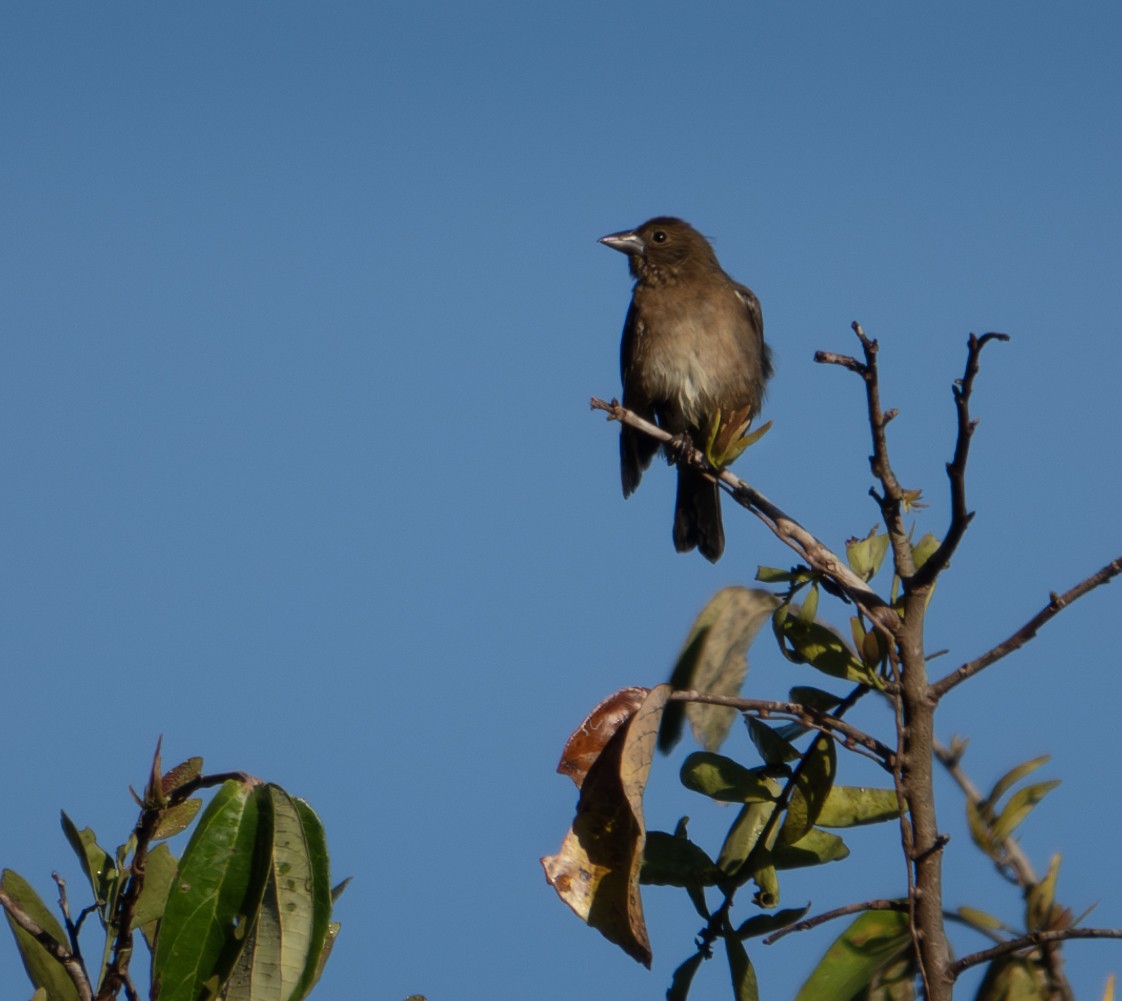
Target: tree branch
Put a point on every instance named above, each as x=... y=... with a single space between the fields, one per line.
x=1030 y=941
x=1022 y=636
x=848 y=735
x=956 y=468
x=892 y=497
x=786 y=529
x=71 y=963
x=837 y=912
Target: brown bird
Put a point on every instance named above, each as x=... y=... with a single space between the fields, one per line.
x=693 y=358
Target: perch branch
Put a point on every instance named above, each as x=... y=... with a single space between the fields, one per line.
x=786 y=529
x=837 y=912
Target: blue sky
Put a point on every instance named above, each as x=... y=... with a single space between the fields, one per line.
x=303 y=308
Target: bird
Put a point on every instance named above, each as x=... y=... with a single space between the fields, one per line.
x=693 y=359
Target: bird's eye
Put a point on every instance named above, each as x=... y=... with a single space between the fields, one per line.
x=659 y=236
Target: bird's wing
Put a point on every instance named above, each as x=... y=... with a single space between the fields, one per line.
x=756 y=321
x=635 y=448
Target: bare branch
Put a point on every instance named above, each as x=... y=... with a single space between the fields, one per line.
x=956 y=468
x=891 y=497
x=69 y=962
x=786 y=529
x=1031 y=941
x=847 y=735
x=837 y=912
x=1022 y=636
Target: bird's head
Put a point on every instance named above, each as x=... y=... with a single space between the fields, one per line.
x=663 y=249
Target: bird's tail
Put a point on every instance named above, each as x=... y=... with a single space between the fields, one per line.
x=697 y=516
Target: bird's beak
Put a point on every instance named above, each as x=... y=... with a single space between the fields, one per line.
x=626 y=243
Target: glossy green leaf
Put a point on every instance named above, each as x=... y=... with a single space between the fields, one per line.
x=1011 y=778
x=333 y=929
x=813 y=848
x=813 y=779
x=42 y=968
x=852 y=806
x=1020 y=805
x=101 y=872
x=850 y=965
x=723 y=779
x=670 y=860
x=744 y=985
x=216 y=895
x=714 y=660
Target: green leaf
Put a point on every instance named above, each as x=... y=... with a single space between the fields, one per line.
x=773 y=575
x=813 y=780
x=866 y=555
x=283 y=950
x=714 y=660
x=1011 y=778
x=216 y=895
x=872 y=942
x=176 y=819
x=772 y=747
x=744 y=986
x=97 y=864
x=671 y=860
x=1020 y=805
x=159 y=874
x=42 y=968
x=816 y=644
x=814 y=698
x=809 y=609
x=680 y=983
x=723 y=779
x=1041 y=907
x=813 y=848
x=1013 y=979
x=767 y=885
x=983 y=922
x=744 y=835
x=923 y=550
x=852 y=806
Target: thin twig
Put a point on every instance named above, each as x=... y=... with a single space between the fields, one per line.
x=848 y=735
x=818 y=556
x=1031 y=941
x=837 y=912
x=956 y=468
x=1056 y=604
x=892 y=496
